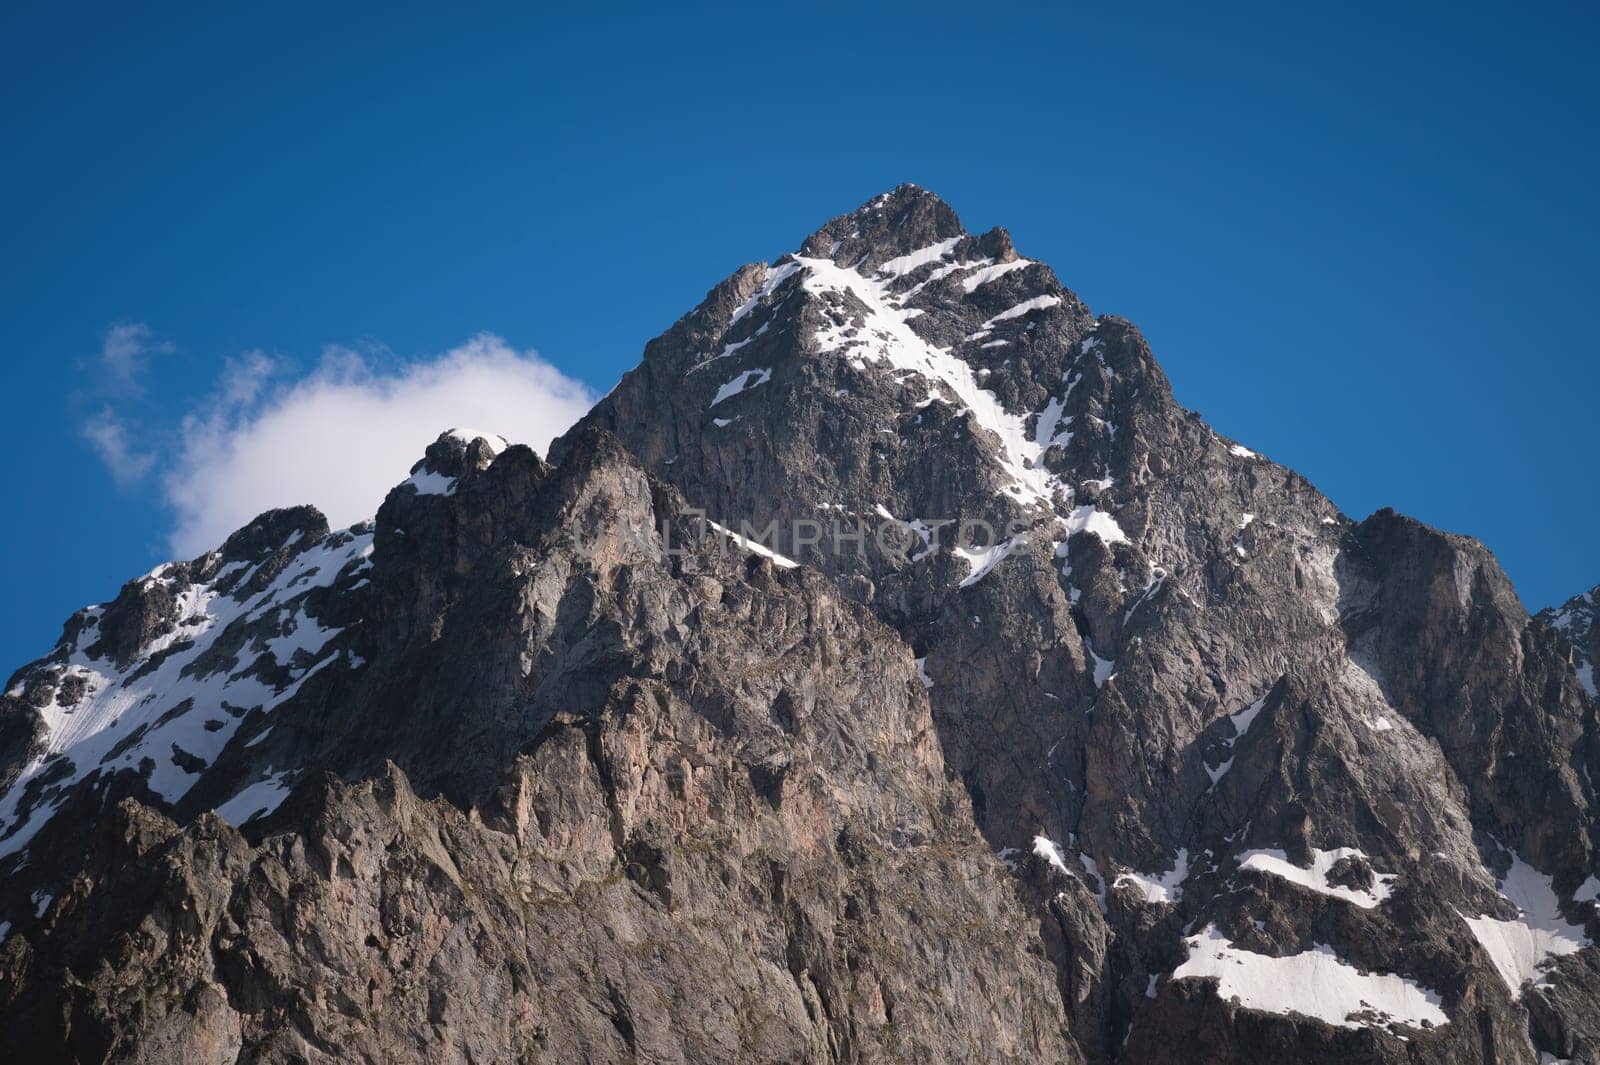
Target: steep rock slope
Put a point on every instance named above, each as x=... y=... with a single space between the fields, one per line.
x=1191 y=681
x=547 y=794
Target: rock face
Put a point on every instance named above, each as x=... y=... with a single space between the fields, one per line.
x=1575 y=620
x=1182 y=764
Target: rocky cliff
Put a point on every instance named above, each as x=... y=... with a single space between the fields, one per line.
x=1039 y=722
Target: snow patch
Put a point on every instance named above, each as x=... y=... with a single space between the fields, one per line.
x=1038 y=303
x=256 y=800
x=973 y=282
x=1523 y=947
x=904 y=264
x=1276 y=863
x=1241 y=722
x=1315 y=983
x=1160 y=887
x=755 y=548
x=1103 y=667
x=984 y=559
x=776 y=275
x=1087 y=519
x=1047 y=849
x=748 y=379
x=1050 y=427
x=1245 y=718
x=428 y=483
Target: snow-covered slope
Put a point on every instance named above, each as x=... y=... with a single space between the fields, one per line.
x=234 y=644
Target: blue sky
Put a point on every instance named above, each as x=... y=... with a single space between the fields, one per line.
x=1360 y=240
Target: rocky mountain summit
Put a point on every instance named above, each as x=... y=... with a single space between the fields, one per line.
x=887 y=669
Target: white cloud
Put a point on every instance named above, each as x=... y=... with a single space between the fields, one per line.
x=108 y=436
x=117 y=369
x=123 y=355
x=341 y=437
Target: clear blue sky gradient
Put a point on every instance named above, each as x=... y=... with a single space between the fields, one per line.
x=1362 y=241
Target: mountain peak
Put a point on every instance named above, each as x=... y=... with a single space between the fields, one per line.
x=891 y=582
x=903 y=220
